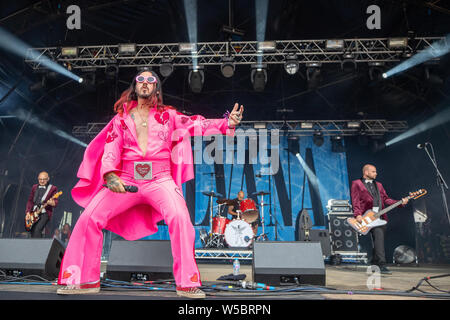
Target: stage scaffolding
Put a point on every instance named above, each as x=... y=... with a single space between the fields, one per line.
x=307 y=52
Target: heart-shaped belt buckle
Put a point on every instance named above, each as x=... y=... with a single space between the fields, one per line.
x=143 y=170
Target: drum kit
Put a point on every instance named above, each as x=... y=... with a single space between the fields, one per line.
x=237 y=232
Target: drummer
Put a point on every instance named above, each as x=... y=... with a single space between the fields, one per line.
x=236 y=213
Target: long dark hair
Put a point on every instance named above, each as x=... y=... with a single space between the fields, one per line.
x=130 y=94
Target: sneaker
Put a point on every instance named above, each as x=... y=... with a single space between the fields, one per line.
x=79 y=288
x=191 y=292
x=384 y=270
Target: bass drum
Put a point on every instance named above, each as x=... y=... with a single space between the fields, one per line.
x=238 y=234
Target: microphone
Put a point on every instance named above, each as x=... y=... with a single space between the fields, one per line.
x=132 y=189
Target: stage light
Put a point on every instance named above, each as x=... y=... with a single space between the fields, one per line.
x=80 y=80
x=166 y=67
x=127 y=48
x=307 y=125
x=111 y=71
x=227 y=67
x=16 y=46
x=348 y=63
x=291 y=65
x=334 y=44
x=259 y=125
x=397 y=43
x=375 y=70
x=187 y=47
x=259 y=77
x=337 y=145
x=313 y=75
x=435 y=50
x=69 y=52
x=293 y=144
x=196 y=79
x=267 y=46
x=318 y=138
x=353 y=124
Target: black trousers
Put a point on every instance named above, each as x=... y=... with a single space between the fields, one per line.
x=36 y=230
x=378 y=253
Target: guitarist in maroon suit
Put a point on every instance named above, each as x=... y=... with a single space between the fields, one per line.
x=368 y=194
x=41 y=193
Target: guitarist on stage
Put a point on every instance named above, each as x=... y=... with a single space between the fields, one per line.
x=368 y=194
x=40 y=193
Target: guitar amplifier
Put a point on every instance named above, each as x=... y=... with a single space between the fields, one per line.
x=343 y=237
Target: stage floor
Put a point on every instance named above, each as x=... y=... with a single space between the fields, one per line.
x=343 y=282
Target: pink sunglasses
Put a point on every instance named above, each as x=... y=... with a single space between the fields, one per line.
x=149 y=79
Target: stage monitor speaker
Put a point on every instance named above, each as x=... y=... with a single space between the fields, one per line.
x=320 y=235
x=288 y=263
x=22 y=257
x=141 y=260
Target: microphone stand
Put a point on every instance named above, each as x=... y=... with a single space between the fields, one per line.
x=440 y=180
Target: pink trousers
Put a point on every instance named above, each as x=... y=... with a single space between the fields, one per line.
x=81 y=262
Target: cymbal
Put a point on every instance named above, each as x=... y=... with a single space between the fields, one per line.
x=225 y=201
x=250 y=215
x=212 y=194
x=261 y=193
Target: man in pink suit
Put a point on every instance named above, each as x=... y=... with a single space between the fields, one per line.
x=368 y=194
x=146 y=145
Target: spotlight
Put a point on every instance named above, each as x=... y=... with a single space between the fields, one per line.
x=318 y=138
x=227 y=67
x=187 y=47
x=69 y=51
x=375 y=70
x=337 y=144
x=293 y=144
x=353 y=124
x=127 y=48
x=291 y=65
x=334 y=44
x=266 y=46
x=313 y=75
x=166 y=67
x=348 y=63
x=307 y=125
x=80 y=80
x=397 y=43
x=111 y=71
x=196 y=79
x=259 y=77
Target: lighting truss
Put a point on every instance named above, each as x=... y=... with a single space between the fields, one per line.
x=242 y=52
x=290 y=127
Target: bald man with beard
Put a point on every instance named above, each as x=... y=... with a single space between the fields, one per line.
x=368 y=194
x=40 y=193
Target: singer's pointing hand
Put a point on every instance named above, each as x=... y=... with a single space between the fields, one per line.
x=114 y=183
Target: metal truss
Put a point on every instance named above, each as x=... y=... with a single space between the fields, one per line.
x=290 y=127
x=241 y=53
x=223 y=254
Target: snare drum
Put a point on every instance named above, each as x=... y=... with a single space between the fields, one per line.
x=219 y=224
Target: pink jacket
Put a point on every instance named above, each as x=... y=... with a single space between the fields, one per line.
x=169 y=137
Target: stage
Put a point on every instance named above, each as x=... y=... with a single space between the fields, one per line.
x=343 y=282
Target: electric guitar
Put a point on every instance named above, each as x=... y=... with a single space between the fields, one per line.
x=32 y=217
x=371 y=219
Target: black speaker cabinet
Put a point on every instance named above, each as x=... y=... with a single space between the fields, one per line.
x=140 y=260
x=288 y=263
x=22 y=257
x=320 y=235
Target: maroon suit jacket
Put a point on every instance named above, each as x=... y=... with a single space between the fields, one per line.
x=362 y=200
x=48 y=209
